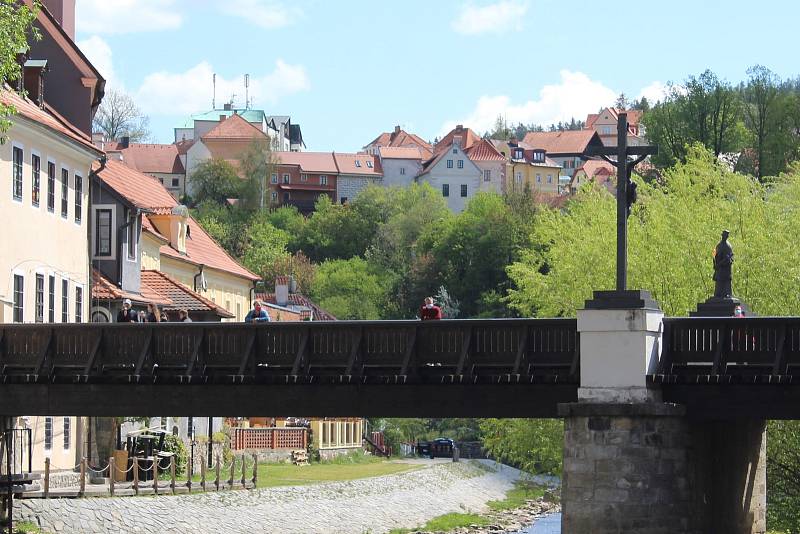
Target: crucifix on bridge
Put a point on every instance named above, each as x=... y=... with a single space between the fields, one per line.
x=626 y=189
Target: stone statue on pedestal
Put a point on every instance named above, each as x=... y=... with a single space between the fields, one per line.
x=723 y=263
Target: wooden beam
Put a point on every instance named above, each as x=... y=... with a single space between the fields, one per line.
x=409 y=360
x=247 y=354
x=144 y=353
x=780 y=359
x=521 y=350
x=720 y=351
x=301 y=352
x=197 y=341
x=463 y=358
x=355 y=352
x=93 y=353
x=43 y=352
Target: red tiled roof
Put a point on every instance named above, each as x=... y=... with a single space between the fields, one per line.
x=634 y=116
x=566 y=142
x=314 y=162
x=594 y=167
x=46 y=117
x=201 y=249
x=346 y=164
x=234 y=127
x=483 y=150
x=141 y=190
x=184 y=146
x=298 y=300
x=468 y=138
x=401 y=138
x=307 y=187
x=103 y=289
x=400 y=152
x=147 y=226
x=152 y=158
x=179 y=296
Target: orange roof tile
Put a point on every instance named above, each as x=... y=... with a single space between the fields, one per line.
x=401 y=138
x=296 y=299
x=152 y=158
x=594 y=167
x=346 y=164
x=566 y=142
x=47 y=117
x=103 y=289
x=234 y=127
x=201 y=249
x=483 y=150
x=147 y=226
x=468 y=138
x=400 y=152
x=180 y=296
x=141 y=190
x=316 y=162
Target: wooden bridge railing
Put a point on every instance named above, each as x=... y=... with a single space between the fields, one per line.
x=457 y=351
x=730 y=350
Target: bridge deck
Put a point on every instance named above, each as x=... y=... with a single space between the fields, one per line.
x=514 y=367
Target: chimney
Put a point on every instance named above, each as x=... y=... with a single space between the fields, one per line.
x=227 y=107
x=282 y=290
x=64 y=12
x=459 y=128
x=223 y=117
x=396 y=130
x=124 y=141
x=33 y=79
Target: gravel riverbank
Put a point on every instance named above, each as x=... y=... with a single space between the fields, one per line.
x=371 y=505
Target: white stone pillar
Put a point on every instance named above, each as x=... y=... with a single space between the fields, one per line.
x=619 y=347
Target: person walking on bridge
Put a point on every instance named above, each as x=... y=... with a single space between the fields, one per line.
x=258 y=314
x=430 y=311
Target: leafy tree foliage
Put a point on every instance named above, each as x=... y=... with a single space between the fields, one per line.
x=350 y=289
x=16 y=27
x=534 y=445
x=215 y=181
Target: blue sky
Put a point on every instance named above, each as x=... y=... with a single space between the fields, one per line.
x=348 y=70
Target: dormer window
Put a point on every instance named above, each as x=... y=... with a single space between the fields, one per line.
x=517 y=153
x=369 y=164
x=538 y=156
x=358 y=163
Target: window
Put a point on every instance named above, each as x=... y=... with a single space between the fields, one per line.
x=274 y=178
x=51 y=186
x=455 y=151
x=36 y=168
x=286 y=178
x=358 y=163
x=65 y=301
x=549 y=178
x=323 y=179
x=449 y=163
x=48 y=433
x=461 y=164
x=102 y=232
x=402 y=170
x=78 y=198
x=369 y=164
x=78 y=304
x=517 y=153
x=64 y=192
x=39 y=309
x=463 y=190
x=606 y=130
x=67 y=432
x=343 y=200
x=519 y=178
x=161 y=180
x=176 y=182
x=303 y=177
x=274 y=196
x=131 y=237
x=565 y=164
x=51 y=299
x=487 y=175
x=19 y=298
x=539 y=178
x=445 y=190
x=286 y=197
x=17 y=171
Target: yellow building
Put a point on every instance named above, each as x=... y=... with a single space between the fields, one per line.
x=332 y=436
x=44 y=260
x=529 y=168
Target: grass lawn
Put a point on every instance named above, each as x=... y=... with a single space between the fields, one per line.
x=25 y=527
x=446 y=522
x=516 y=497
x=282 y=474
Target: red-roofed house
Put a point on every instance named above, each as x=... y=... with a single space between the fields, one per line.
x=597 y=171
x=399 y=138
x=139 y=228
x=400 y=165
x=355 y=173
x=605 y=124
x=463 y=164
x=300 y=178
x=159 y=161
x=563 y=147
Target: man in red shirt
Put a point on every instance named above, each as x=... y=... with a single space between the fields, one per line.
x=429 y=311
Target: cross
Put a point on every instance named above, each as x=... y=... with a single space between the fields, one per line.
x=626 y=189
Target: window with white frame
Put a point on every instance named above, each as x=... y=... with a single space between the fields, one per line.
x=487 y=175
x=17 y=174
x=36 y=173
x=19 y=298
x=274 y=196
x=449 y=163
x=78 y=198
x=461 y=164
x=274 y=178
x=538 y=178
x=463 y=190
x=445 y=190
x=455 y=151
x=323 y=179
x=51 y=186
x=51 y=299
x=64 y=301
x=176 y=182
x=48 y=433
x=519 y=177
x=303 y=177
x=369 y=164
x=402 y=170
x=39 y=308
x=102 y=232
x=358 y=163
x=131 y=237
x=549 y=178
x=78 y=304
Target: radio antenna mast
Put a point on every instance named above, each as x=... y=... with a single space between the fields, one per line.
x=247 y=91
x=214 y=95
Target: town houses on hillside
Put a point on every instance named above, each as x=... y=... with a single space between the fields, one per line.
x=605 y=124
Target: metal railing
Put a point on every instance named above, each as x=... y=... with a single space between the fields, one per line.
x=730 y=350
x=450 y=351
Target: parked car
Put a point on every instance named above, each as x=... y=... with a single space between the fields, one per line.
x=437 y=448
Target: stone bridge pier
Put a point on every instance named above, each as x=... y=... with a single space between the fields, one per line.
x=634 y=464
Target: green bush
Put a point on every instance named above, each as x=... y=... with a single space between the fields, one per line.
x=175 y=445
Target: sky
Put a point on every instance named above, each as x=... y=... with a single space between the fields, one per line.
x=347 y=70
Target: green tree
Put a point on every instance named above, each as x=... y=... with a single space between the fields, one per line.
x=332 y=232
x=265 y=246
x=256 y=164
x=533 y=445
x=214 y=180
x=16 y=27
x=350 y=289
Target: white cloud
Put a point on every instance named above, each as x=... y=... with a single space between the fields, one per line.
x=501 y=16
x=654 y=92
x=183 y=93
x=268 y=14
x=575 y=96
x=99 y=53
x=126 y=16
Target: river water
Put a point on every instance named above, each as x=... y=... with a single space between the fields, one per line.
x=547 y=525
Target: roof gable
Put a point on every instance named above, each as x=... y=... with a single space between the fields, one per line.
x=562 y=142
x=234 y=127
x=153 y=158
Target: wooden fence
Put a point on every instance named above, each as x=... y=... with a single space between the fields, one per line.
x=268 y=438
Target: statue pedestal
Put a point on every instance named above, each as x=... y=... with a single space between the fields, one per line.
x=720 y=307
